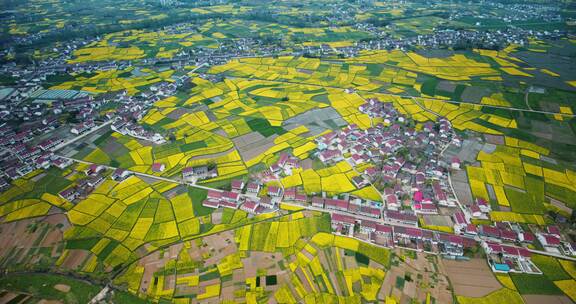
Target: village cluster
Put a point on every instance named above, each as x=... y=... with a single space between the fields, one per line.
x=408 y=164
x=352 y=151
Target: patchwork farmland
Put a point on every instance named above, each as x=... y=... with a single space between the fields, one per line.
x=288 y=152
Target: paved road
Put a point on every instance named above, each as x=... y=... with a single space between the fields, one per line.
x=552 y=255
x=160 y=178
x=526 y=99
x=66 y=143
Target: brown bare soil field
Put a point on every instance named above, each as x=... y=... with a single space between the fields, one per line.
x=471 y=278
x=548 y=299
x=7 y=297
x=18 y=236
x=75 y=259
x=253 y=144
x=44 y=301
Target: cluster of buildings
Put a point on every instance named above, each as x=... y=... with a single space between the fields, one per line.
x=95 y=175
x=553 y=241
x=283 y=166
x=394 y=235
x=245 y=196
x=506 y=245
x=133 y=129
x=194 y=174
x=405 y=162
x=513 y=12
x=441 y=38
x=18 y=156
x=506 y=258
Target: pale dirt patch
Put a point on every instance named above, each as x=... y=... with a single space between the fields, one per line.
x=7 y=297
x=38 y=177
x=44 y=301
x=261 y=260
x=253 y=144
x=227 y=292
x=306 y=164
x=548 y=299
x=560 y=205
x=471 y=278
x=18 y=235
x=75 y=259
x=495 y=139
x=389 y=285
x=56 y=219
x=214 y=155
x=62 y=287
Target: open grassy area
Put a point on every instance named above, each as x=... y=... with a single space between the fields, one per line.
x=550 y=267
x=534 y=284
x=42 y=286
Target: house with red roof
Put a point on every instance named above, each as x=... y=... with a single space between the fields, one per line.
x=342 y=220
x=425 y=208
x=330 y=155
x=336 y=204
x=489 y=231
x=451 y=244
x=455 y=164
x=367 y=226
x=475 y=211
x=62 y=163
x=439 y=194
x=317 y=202
x=471 y=229
x=274 y=191
x=237 y=185
x=548 y=240
x=267 y=202
x=69 y=194
x=275 y=168
x=250 y=206
x=215 y=195
x=158 y=167
x=392 y=201
x=553 y=230
x=483 y=205
x=354 y=208
x=418 y=196
x=508 y=235
x=526 y=237
x=371 y=172
x=410 y=233
x=253 y=188
x=401 y=217
x=290 y=194
x=211 y=203
x=230 y=196
x=283 y=159
x=227 y=204
x=301 y=198
x=506 y=250
x=384 y=230
x=459 y=219
x=43 y=162
x=120 y=174
x=187 y=172
x=370 y=211
x=94 y=169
